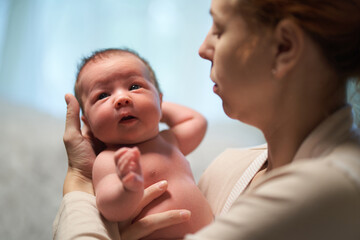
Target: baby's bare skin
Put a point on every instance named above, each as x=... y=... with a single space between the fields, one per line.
x=160 y=160
x=123 y=107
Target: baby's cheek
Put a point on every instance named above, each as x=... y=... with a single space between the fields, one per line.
x=102 y=123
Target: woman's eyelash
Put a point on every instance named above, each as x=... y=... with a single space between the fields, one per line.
x=216 y=30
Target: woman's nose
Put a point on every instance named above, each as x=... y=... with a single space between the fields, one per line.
x=122 y=101
x=206 y=49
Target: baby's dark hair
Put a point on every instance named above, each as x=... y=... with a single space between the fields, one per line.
x=108 y=52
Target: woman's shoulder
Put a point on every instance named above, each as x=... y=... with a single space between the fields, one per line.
x=345 y=159
x=337 y=161
x=305 y=197
x=341 y=163
x=337 y=172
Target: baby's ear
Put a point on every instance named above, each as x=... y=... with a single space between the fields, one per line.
x=84 y=120
x=161 y=101
x=161 y=98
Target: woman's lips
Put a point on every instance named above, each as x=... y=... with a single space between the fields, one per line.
x=215 y=88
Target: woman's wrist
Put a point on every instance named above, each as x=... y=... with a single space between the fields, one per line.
x=75 y=181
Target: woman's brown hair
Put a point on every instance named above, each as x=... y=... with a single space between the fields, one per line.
x=333 y=24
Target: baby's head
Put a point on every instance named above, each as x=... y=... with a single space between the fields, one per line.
x=108 y=53
x=119 y=96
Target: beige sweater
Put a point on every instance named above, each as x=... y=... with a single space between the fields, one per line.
x=317 y=196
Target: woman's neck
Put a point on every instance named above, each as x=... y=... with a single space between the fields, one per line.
x=286 y=134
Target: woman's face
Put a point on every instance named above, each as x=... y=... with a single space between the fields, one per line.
x=241 y=59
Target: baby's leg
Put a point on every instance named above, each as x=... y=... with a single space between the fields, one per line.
x=127 y=161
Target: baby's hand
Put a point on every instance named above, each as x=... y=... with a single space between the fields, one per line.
x=127 y=161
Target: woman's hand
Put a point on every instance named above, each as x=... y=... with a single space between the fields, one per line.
x=80 y=150
x=151 y=223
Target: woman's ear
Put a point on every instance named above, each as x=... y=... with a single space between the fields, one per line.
x=289 y=43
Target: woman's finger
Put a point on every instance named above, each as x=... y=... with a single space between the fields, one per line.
x=151 y=223
x=72 y=125
x=150 y=193
x=96 y=144
x=79 y=150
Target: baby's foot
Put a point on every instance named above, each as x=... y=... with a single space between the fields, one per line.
x=127 y=161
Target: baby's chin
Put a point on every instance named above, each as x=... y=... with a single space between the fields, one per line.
x=131 y=141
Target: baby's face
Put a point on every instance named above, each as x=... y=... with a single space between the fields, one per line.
x=121 y=105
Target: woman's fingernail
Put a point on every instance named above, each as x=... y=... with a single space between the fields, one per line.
x=162 y=185
x=185 y=214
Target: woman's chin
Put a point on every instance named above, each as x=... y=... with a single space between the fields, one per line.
x=234 y=115
x=228 y=112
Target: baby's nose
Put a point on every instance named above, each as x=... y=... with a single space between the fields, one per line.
x=122 y=101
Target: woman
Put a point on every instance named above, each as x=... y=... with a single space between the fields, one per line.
x=281 y=66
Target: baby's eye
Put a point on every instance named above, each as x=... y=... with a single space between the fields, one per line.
x=134 y=87
x=102 y=96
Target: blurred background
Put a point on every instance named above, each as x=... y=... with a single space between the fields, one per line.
x=41 y=44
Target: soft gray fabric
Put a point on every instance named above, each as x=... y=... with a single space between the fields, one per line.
x=33 y=165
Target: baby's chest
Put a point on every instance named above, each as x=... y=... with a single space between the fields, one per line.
x=156 y=167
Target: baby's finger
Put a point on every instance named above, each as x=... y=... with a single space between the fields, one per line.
x=124 y=155
x=125 y=166
x=120 y=153
x=133 y=182
x=151 y=223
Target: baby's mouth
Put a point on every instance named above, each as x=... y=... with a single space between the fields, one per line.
x=127 y=118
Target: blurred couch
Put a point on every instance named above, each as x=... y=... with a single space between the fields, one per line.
x=33 y=166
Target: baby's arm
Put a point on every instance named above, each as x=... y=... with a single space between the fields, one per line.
x=187 y=127
x=118 y=183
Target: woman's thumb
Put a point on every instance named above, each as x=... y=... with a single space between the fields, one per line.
x=72 y=126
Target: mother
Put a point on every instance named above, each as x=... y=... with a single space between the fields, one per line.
x=281 y=66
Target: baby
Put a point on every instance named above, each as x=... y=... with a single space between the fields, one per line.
x=122 y=106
